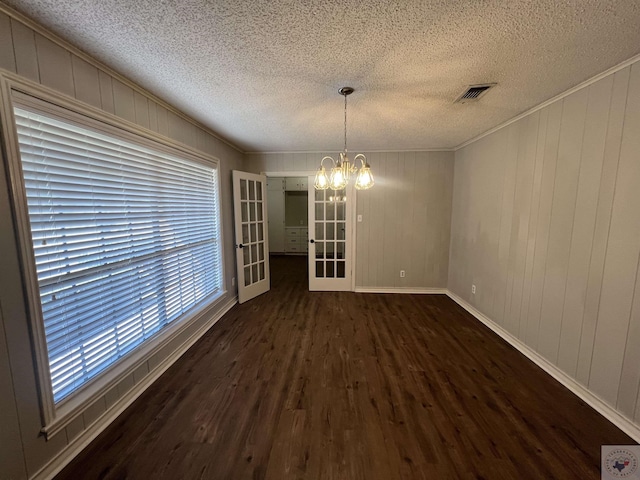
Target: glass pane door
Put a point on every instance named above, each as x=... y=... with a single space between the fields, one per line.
x=252 y=257
x=329 y=237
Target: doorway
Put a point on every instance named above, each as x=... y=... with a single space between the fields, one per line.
x=318 y=224
x=287 y=200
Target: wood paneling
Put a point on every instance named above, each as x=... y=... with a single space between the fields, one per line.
x=526 y=151
x=506 y=218
x=526 y=325
x=140 y=372
x=569 y=235
x=125 y=385
x=74 y=429
x=405 y=216
x=594 y=135
x=163 y=122
x=414 y=253
x=55 y=67
x=106 y=92
x=339 y=385
x=621 y=261
x=390 y=241
x=123 y=100
x=153 y=117
x=630 y=377
x=7 y=57
x=562 y=218
x=543 y=220
x=472 y=237
x=12 y=463
x=24 y=47
x=16 y=377
x=94 y=411
x=406 y=236
x=142 y=110
x=111 y=397
x=609 y=174
x=180 y=130
x=86 y=82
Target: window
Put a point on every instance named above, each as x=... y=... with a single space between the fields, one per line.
x=126 y=239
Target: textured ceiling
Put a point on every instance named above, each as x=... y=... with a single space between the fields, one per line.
x=265 y=73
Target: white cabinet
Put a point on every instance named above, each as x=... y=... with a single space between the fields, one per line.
x=296 y=240
x=275 y=183
x=296 y=183
x=287 y=215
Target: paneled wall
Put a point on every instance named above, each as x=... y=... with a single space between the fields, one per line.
x=33 y=54
x=546 y=225
x=405 y=216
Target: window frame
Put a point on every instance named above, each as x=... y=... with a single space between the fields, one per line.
x=15 y=91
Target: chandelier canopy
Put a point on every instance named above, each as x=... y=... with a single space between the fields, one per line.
x=343 y=168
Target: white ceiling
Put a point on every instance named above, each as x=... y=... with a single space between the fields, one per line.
x=265 y=73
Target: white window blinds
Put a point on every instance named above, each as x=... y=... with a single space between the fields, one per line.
x=125 y=237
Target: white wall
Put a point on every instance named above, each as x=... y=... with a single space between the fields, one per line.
x=34 y=55
x=546 y=224
x=405 y=216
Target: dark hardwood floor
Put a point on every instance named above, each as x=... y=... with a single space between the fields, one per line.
x=324 y=385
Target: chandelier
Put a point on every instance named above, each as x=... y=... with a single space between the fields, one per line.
x=343 y=168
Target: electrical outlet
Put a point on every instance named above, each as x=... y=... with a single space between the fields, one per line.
x=401 y=273
x=359 y=218
x=473 y=289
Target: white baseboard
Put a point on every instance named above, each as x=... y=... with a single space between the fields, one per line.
x=622 y=422
x=65 y=456
x=420 y=291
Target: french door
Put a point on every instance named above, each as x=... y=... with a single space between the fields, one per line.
x=330 y=236
x=252 y=241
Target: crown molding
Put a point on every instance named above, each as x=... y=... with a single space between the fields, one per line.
x=546 y=103
x=366 y=152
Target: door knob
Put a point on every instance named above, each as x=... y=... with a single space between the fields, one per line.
x=240 y=246
x=312 y=241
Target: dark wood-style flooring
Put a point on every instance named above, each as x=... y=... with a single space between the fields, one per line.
x=328 y=385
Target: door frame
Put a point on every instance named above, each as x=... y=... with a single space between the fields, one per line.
x=311 y=175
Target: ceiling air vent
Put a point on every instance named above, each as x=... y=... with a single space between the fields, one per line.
x=474 y=92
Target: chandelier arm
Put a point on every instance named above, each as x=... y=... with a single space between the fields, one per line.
x=330 y=158
x=362 y=158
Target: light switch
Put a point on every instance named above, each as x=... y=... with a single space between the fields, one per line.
x=359 y=218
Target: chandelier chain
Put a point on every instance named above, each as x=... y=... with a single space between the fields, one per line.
x=345 y=124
